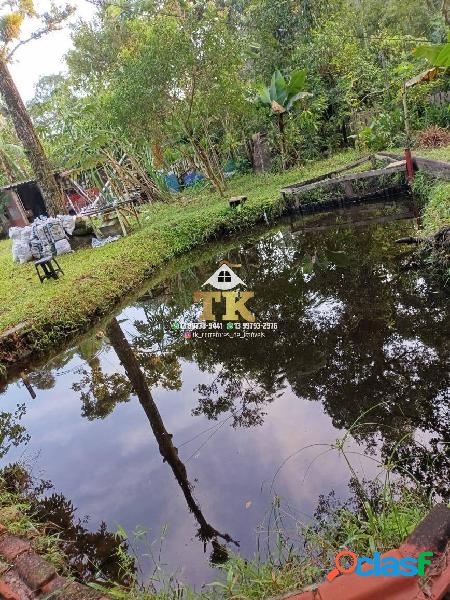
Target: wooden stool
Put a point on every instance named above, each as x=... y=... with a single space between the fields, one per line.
x=49 y=271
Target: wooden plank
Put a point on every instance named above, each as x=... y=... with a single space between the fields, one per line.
x=397 y=163
x=122 y=225
x=301 y=188
x=380 y=156
x=331 y=174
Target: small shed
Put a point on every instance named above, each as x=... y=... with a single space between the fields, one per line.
x=22 y=203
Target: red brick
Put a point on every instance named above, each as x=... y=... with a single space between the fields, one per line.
x=11 y=547
x=54 y=586
x=77 y=591
x=13 y=588
x=62 y=589
x=33 y=570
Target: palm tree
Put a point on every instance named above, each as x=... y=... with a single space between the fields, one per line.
x=281 y=96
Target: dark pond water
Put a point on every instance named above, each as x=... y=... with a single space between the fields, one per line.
x=251 y=417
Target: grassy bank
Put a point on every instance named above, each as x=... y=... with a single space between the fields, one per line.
x=434 y=194
x=96 y=280
x=434 y=197
x=436 y=212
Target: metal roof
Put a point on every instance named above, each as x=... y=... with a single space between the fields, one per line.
x=11 y=186
x=16 y=184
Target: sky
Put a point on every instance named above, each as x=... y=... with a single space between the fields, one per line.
x=45 y=56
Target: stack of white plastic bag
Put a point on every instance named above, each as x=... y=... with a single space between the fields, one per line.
x=45 y=237
x=21 y=237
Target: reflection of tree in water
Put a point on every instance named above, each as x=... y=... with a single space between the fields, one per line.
x=240 y=396
x=168 y=451
x=92 y=555
x=12 y=432
x=101 y=391
x=354 y=333
x=136 y=380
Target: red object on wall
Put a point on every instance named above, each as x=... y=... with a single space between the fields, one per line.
x=78 y=201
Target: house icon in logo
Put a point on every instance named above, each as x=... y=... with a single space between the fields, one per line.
x=224 y=278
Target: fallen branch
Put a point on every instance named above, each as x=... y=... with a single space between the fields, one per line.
x=440 y=239
x=410 y=240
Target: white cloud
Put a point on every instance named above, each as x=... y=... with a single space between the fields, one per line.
x=45 y=56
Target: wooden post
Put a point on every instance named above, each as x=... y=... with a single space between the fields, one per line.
x=122 y=225
x=406 y=118
x=408 y=157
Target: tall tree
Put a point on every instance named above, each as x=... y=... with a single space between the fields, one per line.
x=12 y=15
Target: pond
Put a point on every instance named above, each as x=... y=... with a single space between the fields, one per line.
x=345 y=338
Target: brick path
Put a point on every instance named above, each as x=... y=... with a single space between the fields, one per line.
x=26 y=576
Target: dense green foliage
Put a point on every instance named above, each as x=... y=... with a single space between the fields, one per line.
x=177 y=78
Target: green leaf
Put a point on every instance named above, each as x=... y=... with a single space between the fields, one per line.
x=263 y=95
x=278 y=88
x=431 y=53
x=296 y=82
x=296 y=98
x=443 y=58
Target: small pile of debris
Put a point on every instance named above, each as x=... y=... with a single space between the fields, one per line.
x=45 y=237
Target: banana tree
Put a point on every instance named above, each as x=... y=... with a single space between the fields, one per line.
x=437 y=55
x=282 y=96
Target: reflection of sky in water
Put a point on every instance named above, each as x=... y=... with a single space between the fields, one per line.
x=413 y=349
x=324 y=312
x=112 y=469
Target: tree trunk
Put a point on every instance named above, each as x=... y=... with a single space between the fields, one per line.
x=168 y=451
x=210 y=173
x=51 y=192
x=5 y=168
x=282 y=140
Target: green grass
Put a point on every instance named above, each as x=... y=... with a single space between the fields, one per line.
x=16 y=515
x=96 y=280
x=435 y=197
x=435 y=153
x=436 y=194
x=437 y=209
